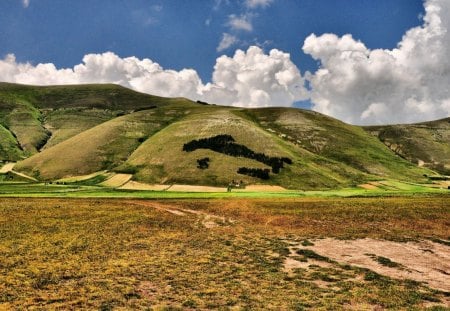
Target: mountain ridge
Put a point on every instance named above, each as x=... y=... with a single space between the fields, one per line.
x=61 y=131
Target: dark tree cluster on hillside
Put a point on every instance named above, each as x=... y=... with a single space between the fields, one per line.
x=202 y=103
x=254 y=172
x=203 y=163
x=226 y=144
x=145 y=108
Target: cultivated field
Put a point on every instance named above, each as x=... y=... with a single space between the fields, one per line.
x=229 y=253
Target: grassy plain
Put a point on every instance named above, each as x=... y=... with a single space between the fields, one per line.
x=229 y=253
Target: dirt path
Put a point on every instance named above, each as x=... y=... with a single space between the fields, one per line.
x=204 y=219
x=7 y=168
x=423 y=261
x=24 y=176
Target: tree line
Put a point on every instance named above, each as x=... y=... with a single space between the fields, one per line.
x=255 y=172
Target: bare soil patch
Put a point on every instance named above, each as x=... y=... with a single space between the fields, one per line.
x=368 y=186
x=423 y=261
x=266 y=188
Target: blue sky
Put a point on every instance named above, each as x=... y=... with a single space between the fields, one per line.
x=361 y=61
x=185 y=34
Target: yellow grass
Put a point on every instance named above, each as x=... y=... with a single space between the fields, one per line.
x=224 y=254
x=82 y=177
x=134 y=185
x=116 y=180
x=189 y=188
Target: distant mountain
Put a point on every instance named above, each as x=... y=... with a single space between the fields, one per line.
x=62 y=131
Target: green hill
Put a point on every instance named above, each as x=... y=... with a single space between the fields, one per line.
x=77 y=130
x=10 y=149
x=426 y=144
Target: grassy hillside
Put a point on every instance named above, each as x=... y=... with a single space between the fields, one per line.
x=77 y=130
x=9 y=147
x=334 y=140
x=426 y=144
x=42 y=116
x=67 y=122
x=104 y=146
x=161 y=158
x=102 y=96
x=24 y=122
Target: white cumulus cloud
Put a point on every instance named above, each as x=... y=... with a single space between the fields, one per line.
x=255 y=79
x=142 y=75
x=26 y=3
x=407 y=84
x=250 y=78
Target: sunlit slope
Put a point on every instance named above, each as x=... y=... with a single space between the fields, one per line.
x=24 y=122
x=68 y=122
x=161 y=158
x=335 y=140
x=104 y=146
x=426 y=144
x=9 y=147
x=101 y=96
x=42 y=116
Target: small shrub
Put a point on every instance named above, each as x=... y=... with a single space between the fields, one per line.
x=307 y=243
x=311 y=254
x=254 y=172
x=387 y=262
x=203 y=163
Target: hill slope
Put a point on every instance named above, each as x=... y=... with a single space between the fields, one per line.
x=161 y=158
x=425 y=144
x=38 y=115
x=76 y=130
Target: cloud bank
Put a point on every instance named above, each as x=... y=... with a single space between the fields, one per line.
x=250 y=78
x=407 y=84
x=356 y=84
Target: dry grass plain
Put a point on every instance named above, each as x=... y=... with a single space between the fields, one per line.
x=239 y=254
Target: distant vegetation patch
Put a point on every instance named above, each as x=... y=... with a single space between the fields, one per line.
x=145 y=108
x=203 y=163
x=254 y=172
x=226 y=144
x=202 y=103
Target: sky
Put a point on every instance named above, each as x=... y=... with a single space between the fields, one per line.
x=361 y=61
